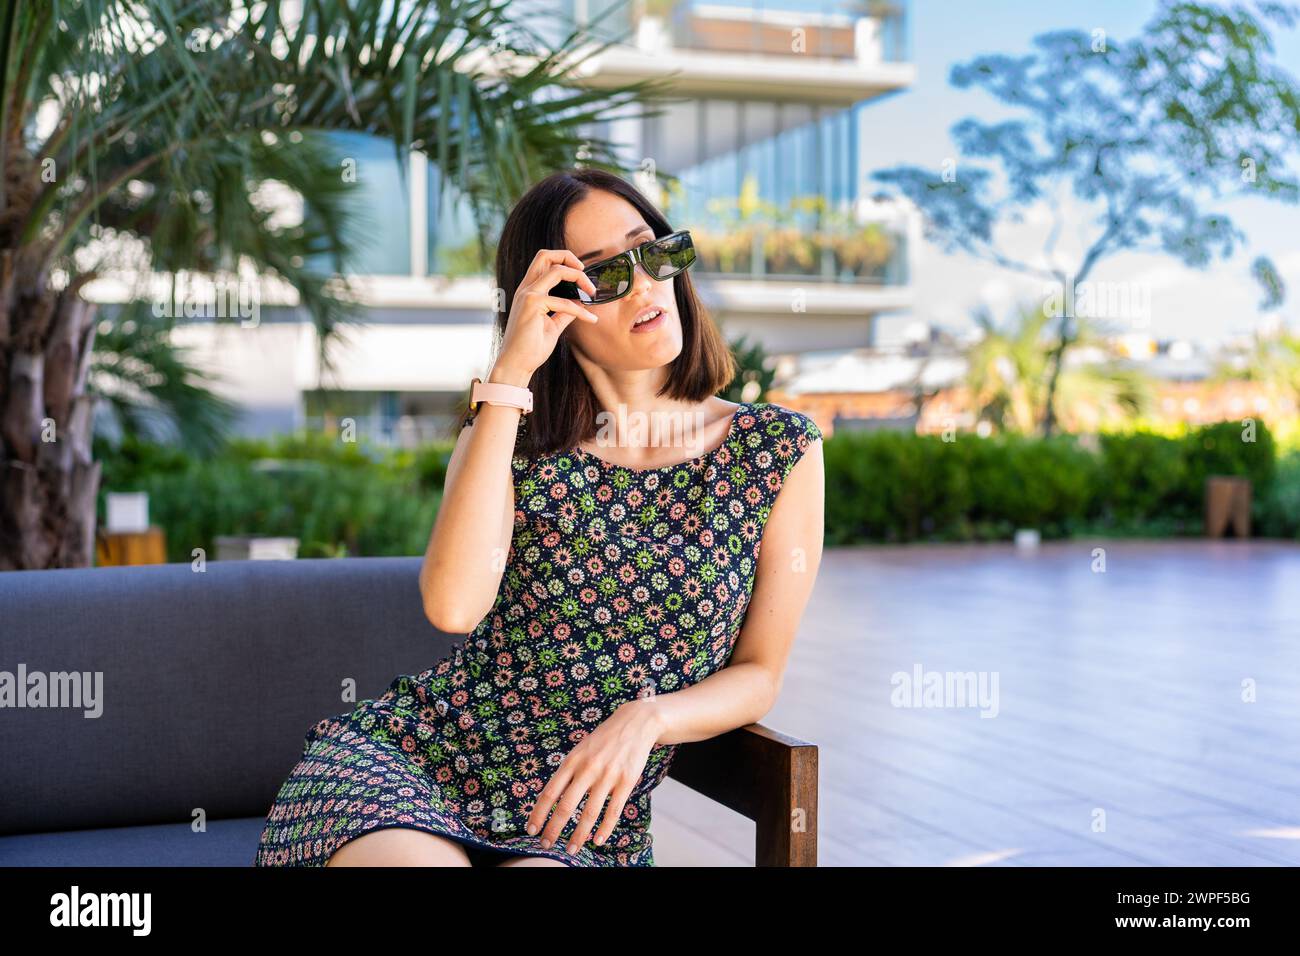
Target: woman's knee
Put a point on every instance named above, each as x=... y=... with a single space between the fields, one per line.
x=399 y=846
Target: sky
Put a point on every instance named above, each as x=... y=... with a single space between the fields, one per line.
x=912 y=127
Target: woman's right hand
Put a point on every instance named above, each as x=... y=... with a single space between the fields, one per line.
x=475 y=520
x=537 y=318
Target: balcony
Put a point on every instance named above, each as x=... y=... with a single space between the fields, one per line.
x=833 y=52
x=872 y=254
x=832 y=29
x=834 y=274
x=804 y=238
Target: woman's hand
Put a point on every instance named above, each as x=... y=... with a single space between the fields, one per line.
x=536 y=317
x=608 y=762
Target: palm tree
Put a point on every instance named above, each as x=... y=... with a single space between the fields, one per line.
x=1273 y=362
x=136 y=134
x=148 y=388
x=1008 y=370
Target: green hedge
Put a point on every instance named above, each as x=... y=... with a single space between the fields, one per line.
x=342 y=498
x=337 y=498
x=1277 y=514
x=892 y=486
x=1148 y=477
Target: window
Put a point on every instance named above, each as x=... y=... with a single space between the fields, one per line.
x=379 y=228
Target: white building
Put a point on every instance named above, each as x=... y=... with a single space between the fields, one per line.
x=773 y=97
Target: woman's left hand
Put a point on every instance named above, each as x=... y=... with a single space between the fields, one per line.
x=608 y=762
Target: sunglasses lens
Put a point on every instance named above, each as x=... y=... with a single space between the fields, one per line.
x=666 y=257
x=611 y=280
x=662 y=258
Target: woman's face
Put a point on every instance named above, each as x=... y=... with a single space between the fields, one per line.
x=599 y=226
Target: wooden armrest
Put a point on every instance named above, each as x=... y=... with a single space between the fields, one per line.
x=765 y=775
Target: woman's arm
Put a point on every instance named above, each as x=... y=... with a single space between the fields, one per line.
x=466 y=556
x=743 y=691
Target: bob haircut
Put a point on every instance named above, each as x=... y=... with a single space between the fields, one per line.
x=564 y=405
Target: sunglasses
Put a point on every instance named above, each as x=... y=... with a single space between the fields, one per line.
x=661 y=258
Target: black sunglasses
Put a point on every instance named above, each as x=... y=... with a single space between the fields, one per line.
x=661 y=258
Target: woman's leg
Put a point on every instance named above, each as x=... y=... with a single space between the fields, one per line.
x=399 y=846
x=531 y=861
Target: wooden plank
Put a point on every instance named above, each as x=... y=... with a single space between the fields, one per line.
x=1119 y=691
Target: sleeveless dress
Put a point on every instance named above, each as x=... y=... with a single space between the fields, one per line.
x=619 y=583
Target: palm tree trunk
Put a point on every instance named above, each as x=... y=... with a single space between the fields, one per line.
x=49 y=482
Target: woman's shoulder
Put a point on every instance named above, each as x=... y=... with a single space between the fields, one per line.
x=775 y=438
x=778 y=423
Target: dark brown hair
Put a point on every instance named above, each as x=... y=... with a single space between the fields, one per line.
x=564 y=405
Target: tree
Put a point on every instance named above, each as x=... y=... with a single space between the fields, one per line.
x=146 y=130
x=1146 y=135
x=1007 y=383
x=1272 y=362
x=149 y=390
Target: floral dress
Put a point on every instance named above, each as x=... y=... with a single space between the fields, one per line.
x=619 y=583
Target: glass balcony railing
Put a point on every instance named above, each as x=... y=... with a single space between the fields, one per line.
x=872 y=254
x=868 y=31
x=757 y=233
x=833 y=29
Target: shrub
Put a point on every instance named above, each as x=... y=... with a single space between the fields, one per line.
x=1027 y=482
x=894 y=486
x=1276 y=513
x=346 y=500
x=1223 y=449
x=1142 y=475
x=343 y=498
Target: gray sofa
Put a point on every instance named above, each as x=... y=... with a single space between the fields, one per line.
x=211 y=679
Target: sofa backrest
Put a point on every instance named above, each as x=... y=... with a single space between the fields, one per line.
x=209 y=680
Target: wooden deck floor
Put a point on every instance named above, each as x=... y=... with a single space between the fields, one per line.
x=1120 y=738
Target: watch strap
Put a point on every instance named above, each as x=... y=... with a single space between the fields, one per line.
x=498 y=393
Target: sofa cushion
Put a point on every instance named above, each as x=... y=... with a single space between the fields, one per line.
x=210 y=680
x=226 y=843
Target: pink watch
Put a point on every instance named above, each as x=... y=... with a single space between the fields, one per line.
x=498 y=393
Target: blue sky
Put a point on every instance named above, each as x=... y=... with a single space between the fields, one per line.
x=913 y=127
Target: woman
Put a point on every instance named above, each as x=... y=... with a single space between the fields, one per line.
x=612 y=582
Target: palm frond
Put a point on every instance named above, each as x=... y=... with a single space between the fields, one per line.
x=148 y=388
x=169 y=115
